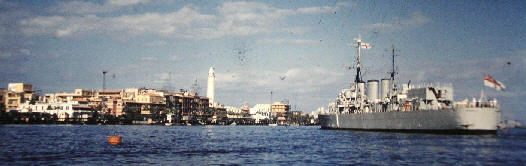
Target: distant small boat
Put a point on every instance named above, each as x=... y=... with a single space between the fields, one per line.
x=188 y=124
x=273 y=124
x=168 y=124
x=233 y=124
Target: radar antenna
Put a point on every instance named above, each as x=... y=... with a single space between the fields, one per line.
x=393 y=71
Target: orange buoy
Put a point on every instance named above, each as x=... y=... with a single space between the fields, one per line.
x=114 y=140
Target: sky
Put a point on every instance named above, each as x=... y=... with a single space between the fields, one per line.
x=301 y=51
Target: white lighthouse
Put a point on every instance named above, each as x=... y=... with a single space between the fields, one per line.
x=210 y=88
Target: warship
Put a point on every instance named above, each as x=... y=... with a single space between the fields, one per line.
x=383 y=105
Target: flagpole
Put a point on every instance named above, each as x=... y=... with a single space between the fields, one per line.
x=484 y=86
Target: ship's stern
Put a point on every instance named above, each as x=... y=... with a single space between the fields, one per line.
x=478 y=119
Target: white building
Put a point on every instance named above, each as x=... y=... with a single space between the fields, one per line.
x=211 y=87
x=234 y=112
x=64 y=111
x=260 y=112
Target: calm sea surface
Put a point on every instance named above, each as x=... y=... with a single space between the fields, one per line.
x=204 y=145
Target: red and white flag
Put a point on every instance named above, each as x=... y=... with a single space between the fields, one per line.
x=366 y=46
x=489 y=81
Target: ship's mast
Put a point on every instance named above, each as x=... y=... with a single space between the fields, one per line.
x=359 y=44
x=393 y=71
x=358 y=78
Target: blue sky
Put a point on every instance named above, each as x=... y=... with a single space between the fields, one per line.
x=63 y=45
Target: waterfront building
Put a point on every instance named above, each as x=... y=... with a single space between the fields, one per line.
x=245 y=108
x=234 y=112
x=130 y=93
x=260 y=112
x=220 y=115
x=115 y=106
x=70 y=111
x=85 y=92
x=186 y=105
x=78 y=95
x=114 y=101
x=152 y=91
x=105 y=93
x=49 y=97
x=144 y=112
x=279 y=112
x=19 y=87
x=18 y=93
x=239 y=115
x=202 y=103
x=150 y=98
x=299 y=118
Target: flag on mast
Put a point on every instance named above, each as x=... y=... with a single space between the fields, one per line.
x=366 y=46
x=489 y=81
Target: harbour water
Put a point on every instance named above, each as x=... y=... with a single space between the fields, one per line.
x=204 y=145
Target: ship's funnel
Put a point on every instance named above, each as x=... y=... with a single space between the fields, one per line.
x=385 y=89
x=361 y=89
x=372 y=90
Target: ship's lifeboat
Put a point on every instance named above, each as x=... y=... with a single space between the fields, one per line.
x=407 y=106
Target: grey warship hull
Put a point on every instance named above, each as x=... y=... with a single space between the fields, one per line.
x=407 y=108
x=452 y=121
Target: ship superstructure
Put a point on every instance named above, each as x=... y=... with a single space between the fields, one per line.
x=381 y=105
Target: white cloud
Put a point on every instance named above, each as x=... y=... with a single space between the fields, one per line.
x=246 y=18
x=127 y=2
x=175 y=58
x=316 y=9
x=232 y=19
x=299 y=80
x=5 y=54
x=324 y=9
x=178 y=24
x=417 y=19
x=81 y=7
x=88 y=7
x=25 y=51
x=288 y=41
x=156 y=43
x=60 y=26
x=149 y=58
